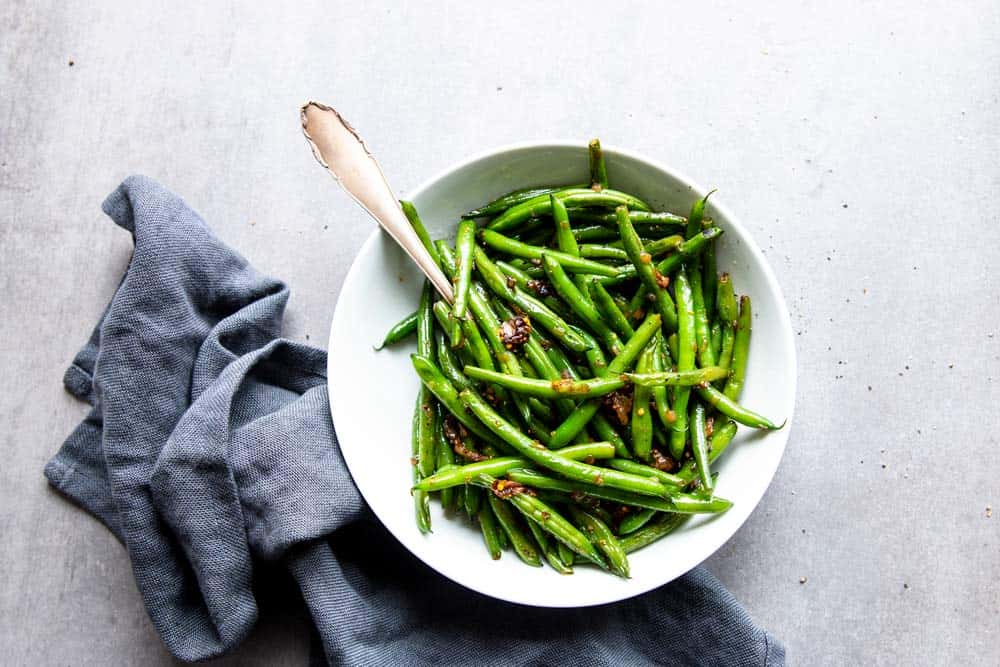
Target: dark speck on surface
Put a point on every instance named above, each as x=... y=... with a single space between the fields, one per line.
x=845 y=205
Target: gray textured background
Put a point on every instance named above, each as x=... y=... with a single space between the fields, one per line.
x=858 y=143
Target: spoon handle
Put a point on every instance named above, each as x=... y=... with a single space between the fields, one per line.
x=342 y=152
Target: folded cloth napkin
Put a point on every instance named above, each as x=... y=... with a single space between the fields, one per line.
x=209 y=450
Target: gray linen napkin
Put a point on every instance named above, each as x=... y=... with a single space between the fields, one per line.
x=209 y=450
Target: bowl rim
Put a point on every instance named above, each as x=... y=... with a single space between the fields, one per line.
x=782 y=315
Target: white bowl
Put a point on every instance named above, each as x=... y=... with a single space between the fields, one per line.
x=372 y=394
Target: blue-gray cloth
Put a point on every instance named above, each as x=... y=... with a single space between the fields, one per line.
x=209 y=451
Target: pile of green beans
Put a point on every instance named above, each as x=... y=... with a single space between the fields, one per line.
x=575 y=396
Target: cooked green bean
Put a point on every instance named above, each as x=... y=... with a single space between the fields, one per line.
x=741 y=350
x=728 y=313
x=597 y=251
x=669 y=265
x=699 y=446
x=601 y=537
x=509 y=246
x=583 y=307
x=642 y=421
x=445 y=458
x=718 y=443
x=660 y=527
x=565 y=240
x=658 y=364
x=686 y=345
x=634 y=521
x=418 y=226
x=465 y=241
x=401 y=330
x=702 y=333
x=464 y=474
x=547 y=518
x=432 y=378
x=421 y=499
x=554 y=461
x=684 y=503
x=654 y=282
x=734 y=410
x=550 y=389
x=637 y=216
x=488 y=526
x=665 y=478
x=598 y=170
x=538 y=311
x=592 y=233
x=608 y=309
x=522 y=542
x=549 y=549
x=584 y=412
x=501 y=204
x=691 y=378
x=571 y=198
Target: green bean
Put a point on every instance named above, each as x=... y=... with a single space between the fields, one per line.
x=473 y=501
x=549 y=389
x=699 y=446
x=445 y=458
x=601 y=537
x=535 y=287
x=642 y=420
x=662 y=526
x=553 y=461
x=401 y=330
x=535 y=309
x=501 y=204
x=571 y=197
x=465 y=241
x=464 y=474
x=718 y=443
x=654 y=282
x=658 y=364
x=597 y=251
x=702 y=333
x=665 y=478
x=584 y=412
x=741 y=350
x=634 y=521
x=564 y=233
x=693 y=378
x=448 y=364
x=710 y=281
x=473 y=344
x=684 y=503
x=584 y=309
x=432 y=378
x=685 y=362
x=592 y=233
x=697 y=215
x=549 y=520
x=489 y=528
x=638 y=217
x=608 y=309
x=426 y=445
x=667 y=266
x=715 y=339
x=509 y=246
x=418 y=226
x=566 y=554
x=596 y=360
x=421 y=499
x=735 y=411
x=521 y=541
x=549 y=549
x=672 y=347
x=598 y=170
x=728 y=313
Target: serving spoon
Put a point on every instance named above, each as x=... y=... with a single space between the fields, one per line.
x=341 y=151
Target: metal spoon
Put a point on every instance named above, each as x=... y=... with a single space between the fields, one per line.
x=342 y=152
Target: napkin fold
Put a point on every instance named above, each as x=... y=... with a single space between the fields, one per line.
x=208 y=450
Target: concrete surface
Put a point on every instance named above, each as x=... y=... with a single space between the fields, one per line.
x=858 y=140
